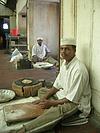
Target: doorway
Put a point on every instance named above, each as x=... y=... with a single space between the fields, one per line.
x=4 y=32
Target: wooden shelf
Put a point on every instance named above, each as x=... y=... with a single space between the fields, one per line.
x=18 y=42
x=19 y=45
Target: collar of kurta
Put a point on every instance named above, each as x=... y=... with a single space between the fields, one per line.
x=67 y=64
x=40 y=45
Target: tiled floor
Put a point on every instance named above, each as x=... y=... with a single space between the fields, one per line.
x=8 y=74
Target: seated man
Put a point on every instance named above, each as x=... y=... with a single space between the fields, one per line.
x=70 y=92
x=40 y=52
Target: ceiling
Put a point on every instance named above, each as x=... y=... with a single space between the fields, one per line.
x=11 y=4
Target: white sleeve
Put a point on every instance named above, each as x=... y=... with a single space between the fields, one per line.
x=47 y=49
x=57 y=83
x=33 y=50
x=76 y=89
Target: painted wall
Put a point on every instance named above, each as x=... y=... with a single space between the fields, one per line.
x=22 y=24
x=12 y=22
x=88 y=38
x=86 y=29
x=68 y=20
x=95 y=64
x=19 y=7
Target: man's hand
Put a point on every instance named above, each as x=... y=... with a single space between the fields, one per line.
x=36 y=102
x=45 y=58
x=45 y=104
x=40 y=59
x=34 y=59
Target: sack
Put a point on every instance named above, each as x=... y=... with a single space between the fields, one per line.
x=16 y=56
x=15 y=52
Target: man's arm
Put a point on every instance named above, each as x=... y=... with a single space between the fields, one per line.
x=35 y=59
x=50 y=92
x=48 y=103
x=45 y=102
x=47 y=52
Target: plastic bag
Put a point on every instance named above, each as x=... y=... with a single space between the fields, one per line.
x=16 y=56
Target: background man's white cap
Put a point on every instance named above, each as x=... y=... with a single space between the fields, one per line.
x=68 y=41
x=40 y=38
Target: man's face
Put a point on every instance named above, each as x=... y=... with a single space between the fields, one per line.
x=40 y=42
x=67 y=52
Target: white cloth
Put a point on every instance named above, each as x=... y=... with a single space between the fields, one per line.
x=73 y=84
x=16 y=56
x=68 y=41
x=40 y=51
x=15 y=52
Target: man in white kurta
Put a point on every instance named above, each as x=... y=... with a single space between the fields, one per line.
x=39 y=50
x=41 y=53
x=73 y=82
x=70 y=92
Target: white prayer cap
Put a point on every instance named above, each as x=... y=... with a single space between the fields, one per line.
x=39 y=38
x=68 y=41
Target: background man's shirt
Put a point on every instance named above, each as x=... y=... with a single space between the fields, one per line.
x=40 y=51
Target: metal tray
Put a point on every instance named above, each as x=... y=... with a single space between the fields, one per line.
x=43 y=65
x=6 y=95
